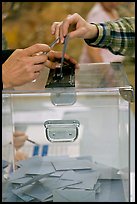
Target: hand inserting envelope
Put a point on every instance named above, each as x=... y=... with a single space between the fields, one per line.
x=51 y=46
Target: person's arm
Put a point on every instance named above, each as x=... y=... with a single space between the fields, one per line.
x=117 y=36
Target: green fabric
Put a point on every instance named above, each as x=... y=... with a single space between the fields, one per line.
x=117 y=36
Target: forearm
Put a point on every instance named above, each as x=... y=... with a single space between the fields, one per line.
x=118 y=36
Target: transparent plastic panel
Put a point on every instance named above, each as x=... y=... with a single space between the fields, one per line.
x=103 y=138
x=91 y=161
x=7 y=140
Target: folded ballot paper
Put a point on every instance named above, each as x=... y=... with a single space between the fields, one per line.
x=57 y=179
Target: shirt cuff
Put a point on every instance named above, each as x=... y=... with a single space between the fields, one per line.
x=96 y=40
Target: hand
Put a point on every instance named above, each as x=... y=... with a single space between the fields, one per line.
x=19 y=139
x=20 y=156
x=54 y=59
x=24 y=65
x=77 y=26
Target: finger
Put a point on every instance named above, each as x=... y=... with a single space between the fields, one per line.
x=36 y=49
x=18 y=133
x=51 y=65
x=39 y=59
x=61 y=34
x=56 y=29
x=66 y=24
x=57 y=33
x=70 y=21
x=19 y=143
x=53 y=27
x=72 y=61
x=18 y=146
x=54 y=55
x=20 y=156
x=21 y=138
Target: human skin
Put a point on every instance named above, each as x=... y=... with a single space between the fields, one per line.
x=24 y=65
x=110 y=9
x=76 y=26
x=19 y=155
x=19 y=139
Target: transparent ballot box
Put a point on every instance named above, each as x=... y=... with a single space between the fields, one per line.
x=78 y=139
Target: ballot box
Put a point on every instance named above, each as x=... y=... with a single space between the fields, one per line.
x=78 y=146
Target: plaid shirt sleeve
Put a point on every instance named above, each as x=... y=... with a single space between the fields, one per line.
x=117 y=36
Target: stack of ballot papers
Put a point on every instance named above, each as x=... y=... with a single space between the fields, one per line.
x=57 y=179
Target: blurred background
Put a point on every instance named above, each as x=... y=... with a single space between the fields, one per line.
x=30 y=22
x=27 y=23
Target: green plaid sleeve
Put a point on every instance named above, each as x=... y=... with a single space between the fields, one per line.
x=117 y=36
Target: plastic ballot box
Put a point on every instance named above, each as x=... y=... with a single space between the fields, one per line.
x=78 y=146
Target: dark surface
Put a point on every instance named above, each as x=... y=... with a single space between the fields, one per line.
x=61 y=78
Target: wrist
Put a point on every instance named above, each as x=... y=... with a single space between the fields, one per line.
x=92 y=33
